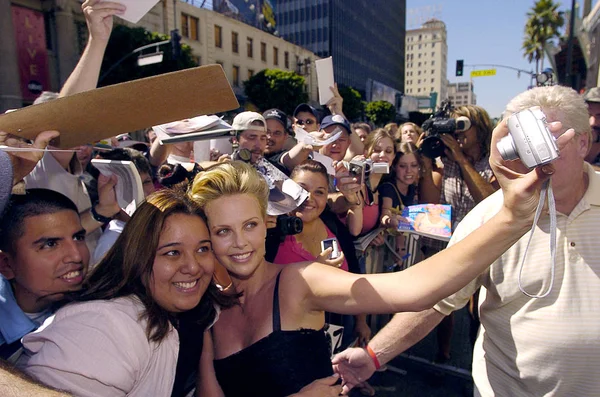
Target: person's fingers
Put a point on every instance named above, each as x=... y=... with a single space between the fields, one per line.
x=565 y=138
x=42 y=140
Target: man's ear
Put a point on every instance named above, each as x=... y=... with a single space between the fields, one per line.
x=6 y=266
x=583 y=144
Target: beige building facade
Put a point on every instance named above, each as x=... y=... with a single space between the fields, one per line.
x=426 y=60
x=462 y=94
x=41 y=42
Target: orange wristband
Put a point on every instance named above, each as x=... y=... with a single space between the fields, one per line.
x=373 y=356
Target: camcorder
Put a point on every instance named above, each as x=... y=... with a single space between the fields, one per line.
x=360 y=169
x=441 y=123
x=529 y=139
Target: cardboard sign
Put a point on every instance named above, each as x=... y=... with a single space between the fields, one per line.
x=93 y=115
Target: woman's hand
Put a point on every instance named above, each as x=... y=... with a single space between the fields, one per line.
x=520 y=186
x=347 y=184
x=324 y=258
x=378 y=240
x=363 y=332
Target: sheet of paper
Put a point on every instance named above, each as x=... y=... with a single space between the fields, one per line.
x=306 y=138
x=326 y=161
x=325 y=79
x=136 y=9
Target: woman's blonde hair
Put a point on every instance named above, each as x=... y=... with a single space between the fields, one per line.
x=227 y=179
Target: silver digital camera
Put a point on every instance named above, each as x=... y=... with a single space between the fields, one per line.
x=529 y=139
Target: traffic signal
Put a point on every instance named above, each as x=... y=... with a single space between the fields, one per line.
x=459 y=67
x=176 y=43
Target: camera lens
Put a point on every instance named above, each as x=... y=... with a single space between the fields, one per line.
x=506 y=147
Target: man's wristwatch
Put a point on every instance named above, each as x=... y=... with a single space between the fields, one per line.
x=100 y=218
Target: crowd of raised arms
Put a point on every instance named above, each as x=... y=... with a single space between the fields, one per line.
x=203 y=291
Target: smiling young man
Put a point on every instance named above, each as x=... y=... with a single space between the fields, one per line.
x=42 y=255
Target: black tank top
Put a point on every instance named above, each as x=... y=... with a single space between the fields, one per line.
x=279 y=364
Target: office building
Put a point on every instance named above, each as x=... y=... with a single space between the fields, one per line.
x=363 y=36
x=427 y=60
x=461 y=94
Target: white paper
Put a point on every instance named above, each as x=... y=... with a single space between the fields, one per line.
x=326 y=161
x=307 y=139
x=129 y=184
x=325 y=79
x=136 y=9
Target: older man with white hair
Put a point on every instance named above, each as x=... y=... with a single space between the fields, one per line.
x=526 y=346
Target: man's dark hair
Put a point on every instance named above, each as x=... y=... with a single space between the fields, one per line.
x=127 y=154
x=22 y=206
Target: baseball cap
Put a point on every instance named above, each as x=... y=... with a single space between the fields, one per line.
x=336 y=120
x=592 y=95
x=244 y=120
x=276 y=114
x=305 y=107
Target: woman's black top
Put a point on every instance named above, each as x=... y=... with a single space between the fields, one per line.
x=279 y=364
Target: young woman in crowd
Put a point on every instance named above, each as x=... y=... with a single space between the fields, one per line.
x=127 y=332
x=409 y=132
x=400 y=189
x=319 y=223
x=272 y=343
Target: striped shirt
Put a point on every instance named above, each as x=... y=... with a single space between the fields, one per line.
x=539 y=347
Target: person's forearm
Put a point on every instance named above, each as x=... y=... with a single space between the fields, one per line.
x=295 y=156
x=85 y=75
x=354 y=220
x=479 y=187
x=158 y=153
x=402 y=332
x=356 y=147
x=429 y=192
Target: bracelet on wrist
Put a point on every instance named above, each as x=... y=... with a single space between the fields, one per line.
x=373 y=357
x=100 y=218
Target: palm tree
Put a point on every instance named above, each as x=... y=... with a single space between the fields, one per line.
x=543 y=25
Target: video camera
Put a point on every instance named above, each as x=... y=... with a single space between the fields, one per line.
x=441 y=123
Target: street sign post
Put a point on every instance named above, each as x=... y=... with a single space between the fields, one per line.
x=483 y=73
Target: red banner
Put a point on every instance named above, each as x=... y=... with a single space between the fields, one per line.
x=30 y=35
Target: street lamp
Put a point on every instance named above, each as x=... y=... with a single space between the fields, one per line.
x=143 y=60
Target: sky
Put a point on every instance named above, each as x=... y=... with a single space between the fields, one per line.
x=484 y=32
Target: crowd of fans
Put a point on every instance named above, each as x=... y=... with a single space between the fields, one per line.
x=199 y=291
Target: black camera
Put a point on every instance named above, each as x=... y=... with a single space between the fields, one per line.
x=441 y=123
x=288 y=225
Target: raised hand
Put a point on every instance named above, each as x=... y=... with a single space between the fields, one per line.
x=99 y=17
x=24 y=162
x=520 y=186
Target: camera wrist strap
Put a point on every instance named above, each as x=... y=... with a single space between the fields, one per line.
x=546 y=191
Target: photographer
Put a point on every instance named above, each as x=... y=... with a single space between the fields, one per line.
x=465 y=180
x=527 y=346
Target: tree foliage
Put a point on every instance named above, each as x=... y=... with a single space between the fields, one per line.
x=124 y=40
x=543 y=24
x=275 y=88
x=380 y=112
x=353 y=106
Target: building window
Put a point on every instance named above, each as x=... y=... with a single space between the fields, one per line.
x=198 y=60
x=189 y=26
x=263 y=52
x=419 y=72
x=433 y=80
x=250 y=45
x=275 y=56
x=218 y=36
x=250 y=73
x=286 y=59
x=236 y=76
x=432 y=63
x=234 y=43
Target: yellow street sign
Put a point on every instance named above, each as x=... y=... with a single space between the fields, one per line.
x=483 y=73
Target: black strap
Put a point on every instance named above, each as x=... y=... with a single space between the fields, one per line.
x=276 y=318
